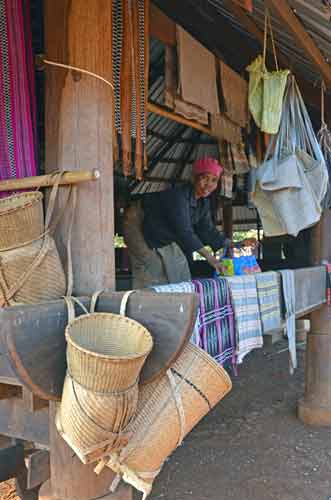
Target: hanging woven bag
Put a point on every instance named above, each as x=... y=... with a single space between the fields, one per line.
x=266 y=89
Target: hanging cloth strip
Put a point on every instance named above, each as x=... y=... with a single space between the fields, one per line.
x=224 y=129
x=171 y=97
x=268 y=292
x=216 y=322
x=197 y=75
x=130 y=53
x=288 y=286
x=17 y=92
x=235 y=93
x=247 y=315
x=328 y=282
x=226 y=161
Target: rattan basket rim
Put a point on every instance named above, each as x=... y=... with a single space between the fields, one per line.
x=108 y=356
x=31 y=199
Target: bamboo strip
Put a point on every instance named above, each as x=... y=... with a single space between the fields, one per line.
x=161 y=111
x=49 y=180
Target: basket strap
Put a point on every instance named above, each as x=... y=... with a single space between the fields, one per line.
x=124 y=302
x=94 y=300
x=70 y=275
x=70 y=302
x=10 y=292
x=115 y=435
x=4 y=288
x=179 y=406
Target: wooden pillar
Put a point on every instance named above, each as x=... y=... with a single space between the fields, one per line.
x=71 y=479
x=315 y=407
x=78 y=123
x=228 y=220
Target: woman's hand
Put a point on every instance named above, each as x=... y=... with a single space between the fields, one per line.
x=220 y=268
x=217 y=265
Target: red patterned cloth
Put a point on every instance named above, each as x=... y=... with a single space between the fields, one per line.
x=17 y=92
x=328 y=283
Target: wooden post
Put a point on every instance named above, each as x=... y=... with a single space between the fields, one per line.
x=78 y=124
x=228 y=220
x=315 y=407
x=71 y=479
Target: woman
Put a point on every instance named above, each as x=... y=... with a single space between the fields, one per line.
x=165 y=228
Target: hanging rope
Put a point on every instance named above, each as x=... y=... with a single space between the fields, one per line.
x=267 y=24
x=80 y=70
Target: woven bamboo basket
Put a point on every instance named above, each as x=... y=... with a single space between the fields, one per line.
x=92 y=423
x=34 y=271
x=167 y=411
x=105 y=352
x=21 y=219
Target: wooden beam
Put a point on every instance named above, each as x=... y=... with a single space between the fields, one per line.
x=294 y=26
x=161 y=26
x=40 y=181
x=245 y=4
x=17 y=422
x=10 y=391
x=12 y=461
x=31 y=402
x=38 y=468
x=162 y=111
x=311 y=93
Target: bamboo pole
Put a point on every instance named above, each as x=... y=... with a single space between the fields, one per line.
x=48 y=180
x=161 y=111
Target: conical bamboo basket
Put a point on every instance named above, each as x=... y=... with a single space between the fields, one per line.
x=105 y=352
x=92 y=423
x=167 y=411
x=21 y=219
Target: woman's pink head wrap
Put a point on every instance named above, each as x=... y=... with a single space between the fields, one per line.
x=207 y=165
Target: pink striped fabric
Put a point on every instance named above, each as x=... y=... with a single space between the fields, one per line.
x=17 y=92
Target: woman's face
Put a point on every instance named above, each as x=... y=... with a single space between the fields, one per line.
x=205 y=184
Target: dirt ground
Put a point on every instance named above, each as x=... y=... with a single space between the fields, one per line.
x=7 y=491
x=251 y=446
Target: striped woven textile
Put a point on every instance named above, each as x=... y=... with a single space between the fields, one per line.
x=247 y=314
x=328 y=283
x=17 y=92
x=216 y=321
x=182 y=287
x=268 y=293
x=214 y=330
x=288 y=286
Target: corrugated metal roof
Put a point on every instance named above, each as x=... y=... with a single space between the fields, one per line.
x=168 y=157
x=314 y=17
